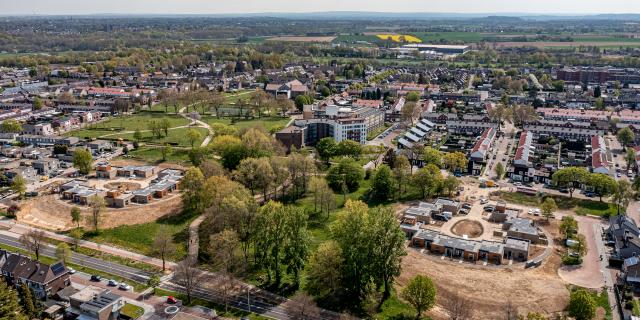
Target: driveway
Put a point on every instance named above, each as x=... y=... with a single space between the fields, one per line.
x=587 y=274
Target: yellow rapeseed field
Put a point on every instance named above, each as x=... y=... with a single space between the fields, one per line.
x=399 y=38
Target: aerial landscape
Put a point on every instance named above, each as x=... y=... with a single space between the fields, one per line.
x=319 y=161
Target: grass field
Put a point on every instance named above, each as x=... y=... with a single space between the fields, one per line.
x=127 y=123
x=131 y=311
x=266 y=122
x=154 y=155
x=176 y=137
x=140 y=237
x=579 y=206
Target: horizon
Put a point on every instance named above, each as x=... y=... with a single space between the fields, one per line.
x=258 y=7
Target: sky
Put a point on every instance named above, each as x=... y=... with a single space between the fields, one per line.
x=56 y=7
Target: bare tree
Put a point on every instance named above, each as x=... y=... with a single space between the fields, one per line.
x=302 y=307
x=227 y=284
x=33 y=241
x=163 y=244
x=187 y=276
x=97 y=203
x=456 y=306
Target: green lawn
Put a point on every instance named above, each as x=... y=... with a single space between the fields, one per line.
x=265 y=122
x=132 y=311
x=579 y=206
x=176 y=137
x=373 y=134
x=134 y=122
x=154 y=155
x=139 y=237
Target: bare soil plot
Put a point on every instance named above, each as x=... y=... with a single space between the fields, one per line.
x=470 y=228
x=302 y=39
x=50 y=212
x=489 y=289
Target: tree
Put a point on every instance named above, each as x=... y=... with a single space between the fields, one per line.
x=10 y=308
x=224 y=246
x=76 y=234
x=630 y=158
x=197 y=155
x=301 y=307
x=524 y=114
x=626 y=136
x=604 y=185
x=428 y=180
x=37 y=103
x=389 y=249
x=327 y=148
x=165 y=124
x=420 y=293
x=193 y=135
x=581 y=246
x=137 y=135
x=323 y=270
x=568 y=226
x=623 y=194
x=450 y=184
x=582 y=306
x=33 y=240
x=346 y=173
x=63 y=252
x=432 y=156
x=303 y=100
x=187 y=276
x=19 y=185
x=413 y=96
x=456 y=306
x=569 y=177
x=499 y=170
x=97 y=204
x=165 y=150
x=597 y=92
x=255 y=174
x=500 y=113
x=76 y=216
x=410 y=111
x=27 y=299
x=82 y=160
x=154 y=281
x=401 y=171
x=11 y=126
x=296 y=249
x=210 y=168
x=192 y=186
x=382 y=187
x=163 y=244
x=548 y=207
x=455 y=161
x=349 y=148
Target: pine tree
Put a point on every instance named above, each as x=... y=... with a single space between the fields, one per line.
x=9 y=306
x=28 y=302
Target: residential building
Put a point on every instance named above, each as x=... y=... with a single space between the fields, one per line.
x=480 y=151
x=45 y=280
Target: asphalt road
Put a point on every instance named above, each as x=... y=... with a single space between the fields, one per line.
x=86 y=261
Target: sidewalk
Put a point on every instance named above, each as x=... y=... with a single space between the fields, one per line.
x=21 y=229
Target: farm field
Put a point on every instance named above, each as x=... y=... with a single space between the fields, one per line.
x=399 y=38
x=301 y=39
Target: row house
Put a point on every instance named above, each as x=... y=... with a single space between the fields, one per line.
x=599 y=162
x=522 y=167
x=480 y=151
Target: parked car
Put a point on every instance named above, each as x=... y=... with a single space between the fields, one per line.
x=171 y=300
x=489 y=208
x=113 y=283
x=125 y=287
x=484 y=201
x=466 y=206
x=96 y=278
x=563 y=190
x=71 y=270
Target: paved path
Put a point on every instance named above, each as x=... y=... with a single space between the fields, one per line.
x=194 y=239
x=588 y=274
x=606 y=272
